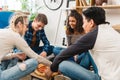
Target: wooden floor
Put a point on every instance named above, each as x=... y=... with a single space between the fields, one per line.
x=28 y=77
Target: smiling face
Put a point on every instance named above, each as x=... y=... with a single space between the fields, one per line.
x=39 y=22
x=72 y=22
x=92 y=17
x=88 y=24
x=37 y=25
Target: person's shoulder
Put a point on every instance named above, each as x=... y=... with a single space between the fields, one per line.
x=93 y=32
x=9 y=33
x=90 y=36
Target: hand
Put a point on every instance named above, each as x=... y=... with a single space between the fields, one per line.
x=43 y=54
x=48 y=73
x=75 y=57
x=21 y=56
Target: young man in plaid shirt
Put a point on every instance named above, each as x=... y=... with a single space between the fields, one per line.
x=36 y=33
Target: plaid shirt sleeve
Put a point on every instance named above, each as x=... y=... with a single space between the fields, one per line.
x=28 y=35
x=45 y=41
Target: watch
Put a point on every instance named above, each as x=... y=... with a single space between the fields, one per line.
x=53 y=4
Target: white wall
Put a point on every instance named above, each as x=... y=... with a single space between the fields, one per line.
x=113 y=16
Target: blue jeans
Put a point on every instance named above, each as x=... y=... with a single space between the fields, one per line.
x=6 y=64
x=84 y=59
x=15 y=72
x=38 y=50
x=58 y=50
x=77 y=72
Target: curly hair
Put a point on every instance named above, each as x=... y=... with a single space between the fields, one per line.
x=79 y=23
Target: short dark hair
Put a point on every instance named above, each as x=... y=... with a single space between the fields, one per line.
x=95 y=13
x=41 y=17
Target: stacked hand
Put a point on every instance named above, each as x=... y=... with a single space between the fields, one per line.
x=43 y=54
x=48 y=73
x=21 y=56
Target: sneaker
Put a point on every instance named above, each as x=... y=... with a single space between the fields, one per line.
x=61 y=77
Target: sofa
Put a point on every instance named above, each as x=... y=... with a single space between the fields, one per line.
x=4 y=18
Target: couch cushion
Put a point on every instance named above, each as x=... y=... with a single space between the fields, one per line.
x=4 y=18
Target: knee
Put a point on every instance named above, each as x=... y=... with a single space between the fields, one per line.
x=22 y=66
x=29 y=63
x=33 y=62
x=57 y=50
x=63 y=66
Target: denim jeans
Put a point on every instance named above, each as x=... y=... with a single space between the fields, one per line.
x=84 y=59
x=38 y=50
x=57 y=50
x=15 y=72
x=6 y=64
x=76 y=72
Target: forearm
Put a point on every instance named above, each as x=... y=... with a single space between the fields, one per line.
x=44 y=60
x=46 y=48
x=64 y=55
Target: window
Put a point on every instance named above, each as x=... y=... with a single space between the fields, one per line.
x=15 y=4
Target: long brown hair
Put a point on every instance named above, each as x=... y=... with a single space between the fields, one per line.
x=79 y=23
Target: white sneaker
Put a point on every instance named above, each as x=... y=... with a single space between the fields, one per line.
x=61 y=77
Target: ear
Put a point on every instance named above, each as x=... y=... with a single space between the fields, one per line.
x=18 y=24
x=92 y=23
